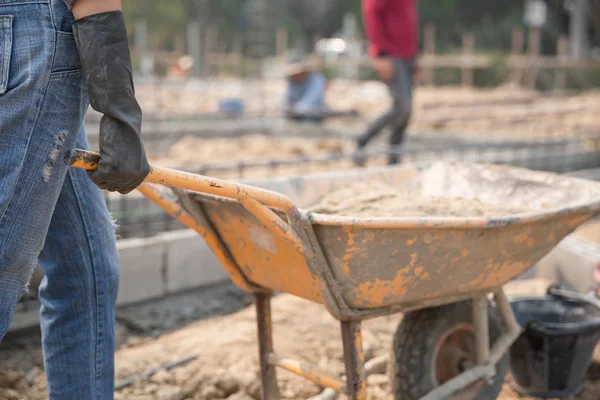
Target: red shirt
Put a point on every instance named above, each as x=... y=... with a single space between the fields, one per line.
x=391 y=27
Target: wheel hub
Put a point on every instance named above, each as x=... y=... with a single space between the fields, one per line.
x=454 y=354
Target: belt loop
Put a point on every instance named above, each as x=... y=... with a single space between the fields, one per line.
x=52 y=15
x=62 y=18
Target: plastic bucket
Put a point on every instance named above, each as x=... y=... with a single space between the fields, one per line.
x=551 y=356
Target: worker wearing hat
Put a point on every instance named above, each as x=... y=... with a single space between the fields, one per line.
x=56 y=58
x=305 y=95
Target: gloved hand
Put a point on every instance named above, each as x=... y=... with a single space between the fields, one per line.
x=104 y=52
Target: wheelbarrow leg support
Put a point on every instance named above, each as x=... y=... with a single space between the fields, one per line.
x=354 y=358
x=481 y=325
x=270 y=391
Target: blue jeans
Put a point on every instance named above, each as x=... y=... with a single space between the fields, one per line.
x=50 y=213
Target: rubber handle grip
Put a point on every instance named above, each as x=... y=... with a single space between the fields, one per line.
x=85 y=159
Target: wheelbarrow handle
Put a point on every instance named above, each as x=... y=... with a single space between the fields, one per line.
x=558 y=291
x=197 y=183
x=249 y=196
x=84 y=159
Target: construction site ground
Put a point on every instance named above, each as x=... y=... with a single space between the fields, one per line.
x=226 y=366
x=469 y=111
x=438 y=114
x=226 y=348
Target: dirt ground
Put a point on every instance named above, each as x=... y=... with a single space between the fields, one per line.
x=188 y=150
x=477 y=113
x=226 y=367
x=228 y=158
x=589 y=231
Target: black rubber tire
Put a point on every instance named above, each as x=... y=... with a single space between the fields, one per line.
x=414 y=347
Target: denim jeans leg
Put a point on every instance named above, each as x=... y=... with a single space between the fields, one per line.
x=40 y=116
x=78 y=292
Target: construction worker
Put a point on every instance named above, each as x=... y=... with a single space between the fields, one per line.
x=392 y=30
x=56 y=58
x=305 y=95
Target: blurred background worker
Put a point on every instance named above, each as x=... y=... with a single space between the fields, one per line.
x=305 y=95
x=392 y=30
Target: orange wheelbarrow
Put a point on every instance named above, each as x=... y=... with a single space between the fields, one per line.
x=445 y=274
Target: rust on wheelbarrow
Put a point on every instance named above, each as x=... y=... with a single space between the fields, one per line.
x=366 y=267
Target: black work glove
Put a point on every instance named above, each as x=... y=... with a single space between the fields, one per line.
x=104 y=52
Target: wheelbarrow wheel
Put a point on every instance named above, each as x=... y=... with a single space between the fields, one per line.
x=432 y=346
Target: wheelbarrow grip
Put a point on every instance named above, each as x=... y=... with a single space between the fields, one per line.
x=84 y=159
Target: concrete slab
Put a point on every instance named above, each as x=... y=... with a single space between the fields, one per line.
x=25 y=319
x=572 y=263
x=142 y=269
x=190 y=262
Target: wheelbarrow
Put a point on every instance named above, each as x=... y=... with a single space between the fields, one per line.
x=445 y=274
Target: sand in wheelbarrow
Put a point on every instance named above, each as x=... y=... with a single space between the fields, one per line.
x=379 y=199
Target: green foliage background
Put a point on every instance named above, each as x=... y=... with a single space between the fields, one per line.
x=490 y=20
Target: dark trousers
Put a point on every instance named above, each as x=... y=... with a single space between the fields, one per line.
x=397 y=118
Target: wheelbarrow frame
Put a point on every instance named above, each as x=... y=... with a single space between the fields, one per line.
x=296 y=227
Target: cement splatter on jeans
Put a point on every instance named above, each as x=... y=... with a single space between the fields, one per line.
x=54 y=153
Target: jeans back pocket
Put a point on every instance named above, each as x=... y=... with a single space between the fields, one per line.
x=6 y=22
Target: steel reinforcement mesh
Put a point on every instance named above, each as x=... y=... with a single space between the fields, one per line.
x=138 y=217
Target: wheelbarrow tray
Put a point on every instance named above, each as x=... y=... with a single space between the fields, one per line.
x=377 y=263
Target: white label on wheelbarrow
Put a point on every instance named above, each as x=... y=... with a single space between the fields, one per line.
x=262 y=238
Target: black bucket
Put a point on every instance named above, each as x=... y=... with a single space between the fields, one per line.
x=551 y=356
